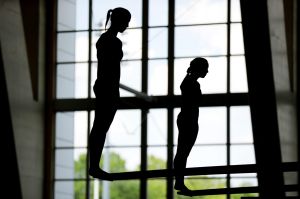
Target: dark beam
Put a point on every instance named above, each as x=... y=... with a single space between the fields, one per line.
x=30 y=19
x=262 y=97
x=10 y=167
x=233 y=99
x=214 y=170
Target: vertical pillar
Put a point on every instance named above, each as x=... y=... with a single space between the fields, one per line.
x=262 y=97
x=145 y=26
x=10 y=167
x=171 y=31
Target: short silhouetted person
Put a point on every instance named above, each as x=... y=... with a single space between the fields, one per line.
x=187 y=120
x=106 y=87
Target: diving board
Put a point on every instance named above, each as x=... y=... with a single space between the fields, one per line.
x=214 y=170
x=234 y=190
x=221 y=191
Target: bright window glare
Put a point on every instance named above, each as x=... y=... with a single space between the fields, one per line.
x=242 y=154
x=72 y=81
x=238 y=75
x=100 y=8
x=200 y=11
x=202 y=156
x=157 y=77
x=131 y=76
x=240 y=125
x=72 y=15
x=158 y=13
x=157 y=41
x=235 y=11
x=237 y=41
x=200 y=40
x=125 y=129
x=72 y=47
x=157 y=127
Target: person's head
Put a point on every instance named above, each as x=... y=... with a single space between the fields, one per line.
x=119 y=18
x=198 y=67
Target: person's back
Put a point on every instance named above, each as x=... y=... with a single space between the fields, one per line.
x=109 y=55
x=190 y=97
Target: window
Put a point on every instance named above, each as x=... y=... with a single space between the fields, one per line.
x=146 y=137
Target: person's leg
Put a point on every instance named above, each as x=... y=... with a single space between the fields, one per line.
x=186 y=139
x=102 y=122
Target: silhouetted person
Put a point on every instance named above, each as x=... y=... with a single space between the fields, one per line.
x=187 y=120
x=106 y=87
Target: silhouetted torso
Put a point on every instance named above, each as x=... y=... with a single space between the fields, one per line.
x=191 y=94
x=109 y=55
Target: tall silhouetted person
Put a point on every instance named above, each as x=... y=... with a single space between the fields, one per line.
x=106 y=87
x=187 y=120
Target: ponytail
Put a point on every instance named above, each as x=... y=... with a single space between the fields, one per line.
x=108 y=16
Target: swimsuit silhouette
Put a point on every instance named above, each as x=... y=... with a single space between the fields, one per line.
x=106 y=87
x=187 y=120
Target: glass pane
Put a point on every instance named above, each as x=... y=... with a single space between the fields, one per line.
x=157 y=127
x=243 y=181
x=290 y=177
x=157 y=77
x=125 y=189
x=158 y=13
x=200 y=40
x=72 y=15
x=242 y=154
x=72 y=47
x=125 y=129
x=158 y=43
x=202 y=156
x=70 y=163
x=100 y=8
x=237 y=39
x=245 y=195
x=157 y=158
x=205 y=182
x=238 y=75
x=200 y=11
x=122 y=159
x=71 y=129
x=69 y=189
x=240 y=125
x=214 y=82
x=212 y=126
x=157 y=189
x=236 y=11
x=131 y=76
x=132 y=43
x=72 y=81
